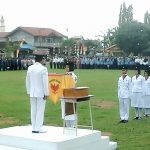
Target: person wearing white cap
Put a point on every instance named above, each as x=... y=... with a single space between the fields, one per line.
x=124 y=90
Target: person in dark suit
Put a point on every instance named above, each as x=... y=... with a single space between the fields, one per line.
x=19 y=64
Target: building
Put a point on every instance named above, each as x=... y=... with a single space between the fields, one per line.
x=45 y=39
x=40 y=38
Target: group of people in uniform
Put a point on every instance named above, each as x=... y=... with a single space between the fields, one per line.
x=15 y=63
x=135 y=92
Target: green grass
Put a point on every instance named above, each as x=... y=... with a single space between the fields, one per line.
x=15 y=109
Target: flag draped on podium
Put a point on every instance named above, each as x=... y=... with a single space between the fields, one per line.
x=57 y=82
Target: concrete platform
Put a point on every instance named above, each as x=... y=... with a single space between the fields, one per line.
x=22 y=138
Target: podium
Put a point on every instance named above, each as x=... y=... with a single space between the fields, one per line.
x=63 y=87
x=70 y=101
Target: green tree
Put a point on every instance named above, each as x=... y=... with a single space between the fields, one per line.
x=133 y=37
x=92 y=45
x=126 y=14
x=147 y=18
x=110 y=37
x=11 y=47
x=68 y=46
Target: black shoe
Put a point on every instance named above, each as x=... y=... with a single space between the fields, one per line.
x=35 y=131
x=125 y=121
x=136 y=118
x=121 y=121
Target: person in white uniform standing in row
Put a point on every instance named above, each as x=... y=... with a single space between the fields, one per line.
x=137 y=93
x=146 y=93
x=124 y=90
x=37 y=89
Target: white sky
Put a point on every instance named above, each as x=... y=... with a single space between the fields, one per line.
x=82 y=17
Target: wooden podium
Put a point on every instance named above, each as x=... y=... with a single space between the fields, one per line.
x=71 y=98
x=74 y=93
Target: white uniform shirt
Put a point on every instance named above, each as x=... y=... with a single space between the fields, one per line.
x=124 y=87
x=146 y=89
x=137 y=84
x=73 y=75
x=37 y=80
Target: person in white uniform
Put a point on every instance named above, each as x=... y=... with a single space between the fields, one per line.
x=137 y=93
x=146 y=93
x=37 y=89
x=69 y=118
x=124 y=91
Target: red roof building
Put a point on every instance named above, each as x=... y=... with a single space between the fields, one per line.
x=40 y=38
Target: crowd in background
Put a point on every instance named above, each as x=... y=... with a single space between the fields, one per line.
x=15 y=63
x=100 y=62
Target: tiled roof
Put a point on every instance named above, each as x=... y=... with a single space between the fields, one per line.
x=41 y=31
x=3 y=34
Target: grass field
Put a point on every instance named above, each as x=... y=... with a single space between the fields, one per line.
x=15 y=109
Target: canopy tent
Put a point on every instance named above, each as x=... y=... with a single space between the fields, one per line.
x=25 y=50
x=26 y=46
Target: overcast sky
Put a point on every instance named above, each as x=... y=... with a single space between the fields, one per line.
x=81 y=17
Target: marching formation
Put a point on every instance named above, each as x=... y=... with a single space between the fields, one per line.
x=134 y=92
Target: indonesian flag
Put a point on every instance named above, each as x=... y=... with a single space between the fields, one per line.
x=57 y=82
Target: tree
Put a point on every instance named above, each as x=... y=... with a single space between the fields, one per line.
x=11 y=46
x=126 y=14
x=92 y=45
x=110 y=37
x=133 y=37
x=147 y=18
x=68 y=46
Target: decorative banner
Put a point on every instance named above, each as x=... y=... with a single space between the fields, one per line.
x=17 y=53
x=57 y=82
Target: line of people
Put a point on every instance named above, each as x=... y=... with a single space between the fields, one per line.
x=100 y=62
x=15 y=63
x=134 y=92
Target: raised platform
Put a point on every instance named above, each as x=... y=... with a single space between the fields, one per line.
x=21 y=138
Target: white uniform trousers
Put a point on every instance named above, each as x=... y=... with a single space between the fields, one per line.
x=137 y=100
x=138 y=112
x=37 y=112
x=124 y=108
x=146 y=99
x=147 y=111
